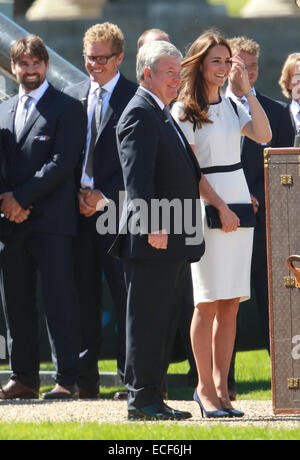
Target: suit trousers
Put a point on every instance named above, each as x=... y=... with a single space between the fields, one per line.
x=156 y=292
x=91 y=262
x=259 y=274
x=51 y=256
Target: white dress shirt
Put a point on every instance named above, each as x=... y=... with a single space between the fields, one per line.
x=242 y=99
x=36 y=95
x=86 y=181
x=295 y=110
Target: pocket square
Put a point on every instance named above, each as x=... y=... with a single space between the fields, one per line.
x=42 y=138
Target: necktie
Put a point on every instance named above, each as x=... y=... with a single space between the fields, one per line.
x=95 y=124
x=23 y=116
x=166 y=111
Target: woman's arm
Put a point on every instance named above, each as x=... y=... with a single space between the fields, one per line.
x=258 y=129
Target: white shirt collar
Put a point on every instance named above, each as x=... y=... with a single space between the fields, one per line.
x=159 y=102
x=229 y=93
x=109 y=86
x=36 y=94
x=295 y=107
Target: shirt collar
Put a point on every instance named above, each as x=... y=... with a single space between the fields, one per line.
x=157 y=100
x=295 y=107
x=229 y=93
x=109 y=86
x=36 y=94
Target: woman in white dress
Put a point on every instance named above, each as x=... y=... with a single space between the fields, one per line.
x=221 y=280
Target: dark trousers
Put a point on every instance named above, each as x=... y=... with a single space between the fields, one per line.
x=91 y=262
x=259 y=275
x=51 y=256
x=259 y=282
x=156 y=291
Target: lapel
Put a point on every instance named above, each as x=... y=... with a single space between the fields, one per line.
x=292 y=118
x=36 y=112
x=83 y=94
x=111 y=108
x=11 y=115
x=186 y=152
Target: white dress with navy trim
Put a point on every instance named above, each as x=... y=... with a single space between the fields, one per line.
x=224 y=270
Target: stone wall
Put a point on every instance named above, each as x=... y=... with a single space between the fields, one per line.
x=277 y=36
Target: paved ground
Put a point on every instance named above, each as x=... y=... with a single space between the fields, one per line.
x=257 y=413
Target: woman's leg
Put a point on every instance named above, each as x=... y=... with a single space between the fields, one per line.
x=224 y=331
x=201 y=339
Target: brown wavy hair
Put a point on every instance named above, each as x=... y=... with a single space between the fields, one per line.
x=193 y=91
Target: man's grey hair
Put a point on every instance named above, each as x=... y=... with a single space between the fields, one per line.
x=151 y=52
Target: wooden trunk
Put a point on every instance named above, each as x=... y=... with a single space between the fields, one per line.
x=282 y=187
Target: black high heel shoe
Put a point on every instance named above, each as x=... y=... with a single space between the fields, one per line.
x=234 y=412
x=212 y=413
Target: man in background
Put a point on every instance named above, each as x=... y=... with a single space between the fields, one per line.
x=104 y=96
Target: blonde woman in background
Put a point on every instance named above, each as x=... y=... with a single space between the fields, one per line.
x=290 y=85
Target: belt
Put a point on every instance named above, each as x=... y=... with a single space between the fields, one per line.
x=221 y=169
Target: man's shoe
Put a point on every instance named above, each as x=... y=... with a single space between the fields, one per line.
x=157 y=412
x=181 y=414
x=16 y=390
x=83 y=394
x=121 y=396
x=59 y=392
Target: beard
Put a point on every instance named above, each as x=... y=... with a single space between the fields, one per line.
x=29 y=85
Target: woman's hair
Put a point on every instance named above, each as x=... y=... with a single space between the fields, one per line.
x=286 y=74
x=31 y=45
x=193 y=91
x=151 y=52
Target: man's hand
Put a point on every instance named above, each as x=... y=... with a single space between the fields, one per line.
x=11 y=208
x=158 y=240
x=90 y=201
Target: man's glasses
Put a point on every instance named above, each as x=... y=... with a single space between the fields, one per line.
x=98 y=59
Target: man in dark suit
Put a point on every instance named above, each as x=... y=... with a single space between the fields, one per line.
x=187 y=311
x=99 y=181
x=158 y=167
x=41 y=142
x=253 y=164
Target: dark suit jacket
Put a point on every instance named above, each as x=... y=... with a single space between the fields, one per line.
x=253 y=158
x=107 y=171
x=39 y=169
x=155 y=165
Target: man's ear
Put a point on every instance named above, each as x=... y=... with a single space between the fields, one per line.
x=12 y=66
x=147 y=73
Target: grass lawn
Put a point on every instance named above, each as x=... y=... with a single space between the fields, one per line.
x=139 y=432
x=253 y=373
x=233 y=6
